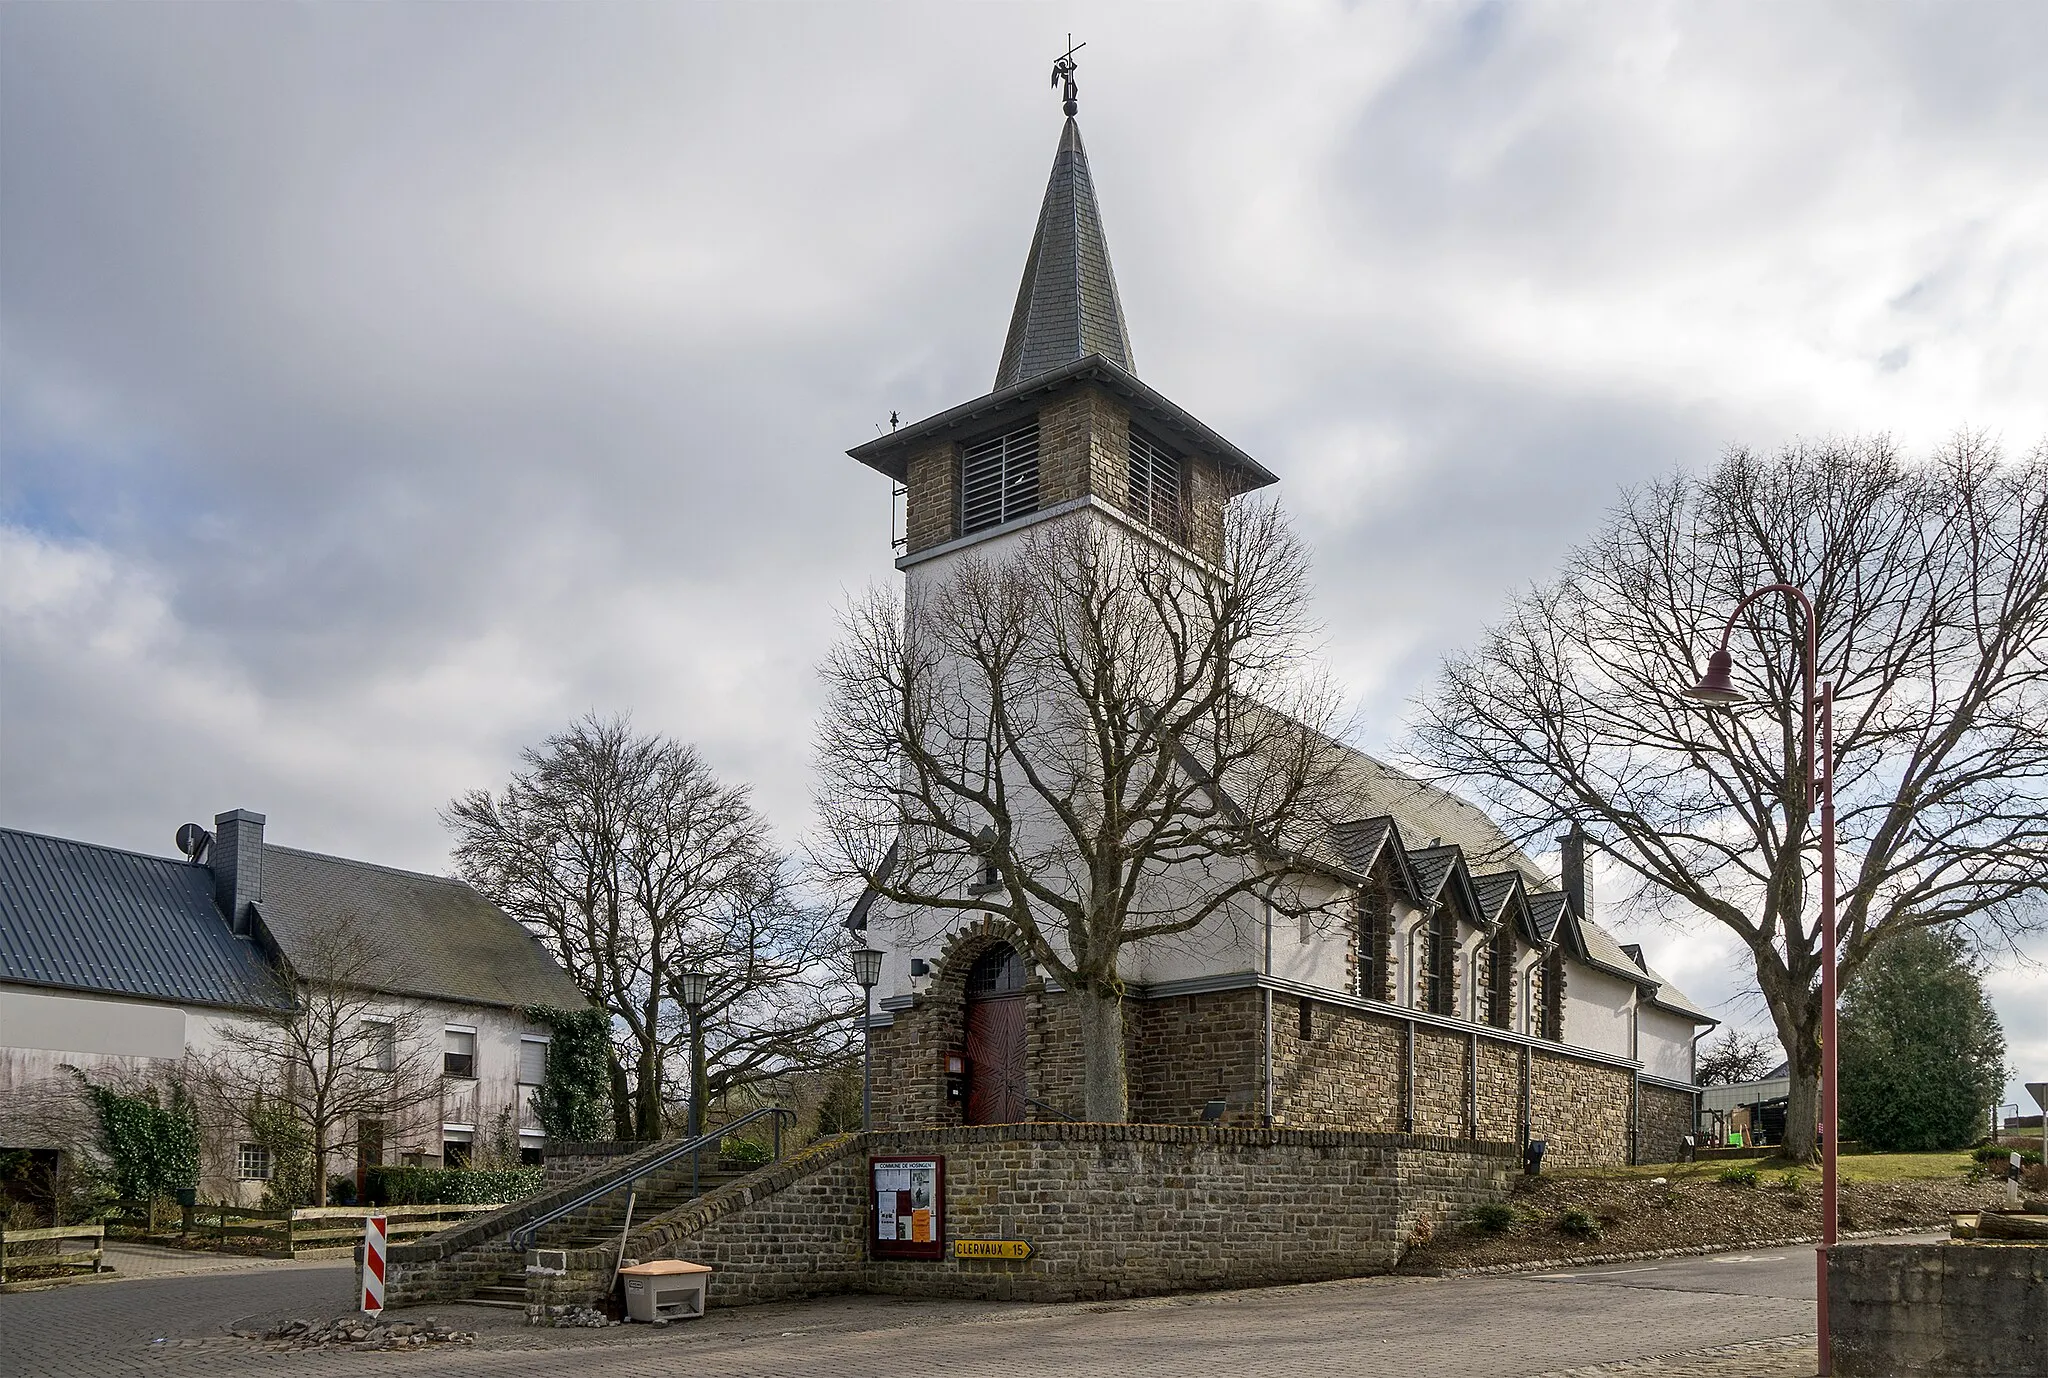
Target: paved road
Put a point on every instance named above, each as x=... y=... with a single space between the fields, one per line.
x=1580 y=1322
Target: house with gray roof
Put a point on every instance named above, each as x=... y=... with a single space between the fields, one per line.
x=1445 y=984
x=131 y=967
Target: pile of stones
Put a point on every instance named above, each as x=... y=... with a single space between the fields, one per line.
x=568 y=1317
x=360 y=1332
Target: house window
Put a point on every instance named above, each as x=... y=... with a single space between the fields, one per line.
x=380 y=1045
x=252 y=1162
x=1155 y=487
x=999 y=479
x=533 y=1061
x=1553 y=996
x=459 y=1059
x=458 y=1152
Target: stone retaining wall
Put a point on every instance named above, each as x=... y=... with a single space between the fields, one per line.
x=1110 y=1210
x=1901 y=1310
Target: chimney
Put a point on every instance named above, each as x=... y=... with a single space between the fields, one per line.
x=1577 y=892
x=237 y=865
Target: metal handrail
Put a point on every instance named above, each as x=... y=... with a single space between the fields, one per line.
x=524 y=1235
x=1053 y=1111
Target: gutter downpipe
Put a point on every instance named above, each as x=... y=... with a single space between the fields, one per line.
x=1266 y=990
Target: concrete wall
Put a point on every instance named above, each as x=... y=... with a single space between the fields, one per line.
x=1599 y=1011
x=1898 y=1310
x=1664 y=1043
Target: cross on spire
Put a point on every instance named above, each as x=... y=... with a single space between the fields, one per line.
x=1063 y=71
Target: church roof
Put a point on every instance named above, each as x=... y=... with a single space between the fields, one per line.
x=1067 y=306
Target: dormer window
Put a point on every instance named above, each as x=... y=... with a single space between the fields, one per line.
x=999 y=479
x=1156 y=487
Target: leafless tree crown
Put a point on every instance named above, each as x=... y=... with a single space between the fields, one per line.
x=1930 y=587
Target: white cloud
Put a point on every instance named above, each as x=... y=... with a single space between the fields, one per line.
x=381 y=387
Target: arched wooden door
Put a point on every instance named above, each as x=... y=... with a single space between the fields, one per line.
x=995 y=1038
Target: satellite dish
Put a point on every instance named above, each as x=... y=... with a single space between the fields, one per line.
x=193 y=841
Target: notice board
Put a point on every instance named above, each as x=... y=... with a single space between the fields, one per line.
x=907 y=1207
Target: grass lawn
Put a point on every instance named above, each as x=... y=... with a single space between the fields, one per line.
x=1854 y=1167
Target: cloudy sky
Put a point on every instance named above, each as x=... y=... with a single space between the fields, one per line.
x=383 y=386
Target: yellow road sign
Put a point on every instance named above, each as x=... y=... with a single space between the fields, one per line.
x=991 y=1248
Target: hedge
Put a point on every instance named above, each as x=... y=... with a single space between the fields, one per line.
x=451 y=1186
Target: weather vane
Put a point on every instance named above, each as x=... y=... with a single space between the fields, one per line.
x=1063 y=71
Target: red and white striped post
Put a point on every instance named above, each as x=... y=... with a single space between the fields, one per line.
x=373 y=1264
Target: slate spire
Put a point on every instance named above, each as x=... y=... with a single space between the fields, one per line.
x=1067 y=306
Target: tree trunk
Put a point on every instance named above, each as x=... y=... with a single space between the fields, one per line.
x=647 y=1096
x=1802 y=1114
x=1105 y=1089
x=320 y=1167
x=622 y=1100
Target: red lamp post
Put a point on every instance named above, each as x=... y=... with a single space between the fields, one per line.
x=1718 y=688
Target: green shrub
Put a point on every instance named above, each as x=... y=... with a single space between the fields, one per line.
x=1494 y=1217
x=1578 y=1225
x=743 y=1152
x=1739 y=1177
x=451 y=1186
x=1992 y=1153
x=1792 y=1182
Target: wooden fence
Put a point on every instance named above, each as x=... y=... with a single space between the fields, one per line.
x=306 y=1232
x=52 y=1253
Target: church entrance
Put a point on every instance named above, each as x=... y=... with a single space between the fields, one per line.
x=995 y=1038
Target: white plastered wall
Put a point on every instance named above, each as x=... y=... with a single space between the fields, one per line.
x=1599 y=1010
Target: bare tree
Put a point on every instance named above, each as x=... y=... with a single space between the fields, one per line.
x=1040 y=735
x=1733 y=1058
x=629 y=859
x=336 y=1056
x=1930 y=585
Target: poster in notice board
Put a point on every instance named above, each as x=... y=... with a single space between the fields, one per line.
x=907 y=1207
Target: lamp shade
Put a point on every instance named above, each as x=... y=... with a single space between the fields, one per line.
x=692 y=985
x=1718 y=684
x=867 y=967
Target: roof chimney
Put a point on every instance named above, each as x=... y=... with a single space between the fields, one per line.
x=1577 y=892
x=237 y=865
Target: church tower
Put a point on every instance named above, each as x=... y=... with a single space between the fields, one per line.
x=1069 y=429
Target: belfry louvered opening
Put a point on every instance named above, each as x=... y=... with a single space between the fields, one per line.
x=999 y=479
x=1156 y=487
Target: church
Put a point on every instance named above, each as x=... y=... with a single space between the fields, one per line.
x=1464 y=993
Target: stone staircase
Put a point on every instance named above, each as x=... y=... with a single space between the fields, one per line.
x=577 y=1222
x=604 y=1223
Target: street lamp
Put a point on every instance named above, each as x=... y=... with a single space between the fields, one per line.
x=867 y=972
x=1717 y=687
x=691 y=988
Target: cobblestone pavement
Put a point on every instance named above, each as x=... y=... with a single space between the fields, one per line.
x=1684 y=1318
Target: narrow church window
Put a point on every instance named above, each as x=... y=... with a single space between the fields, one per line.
x=1308 y=1021
x=1375 y=942
x=999 y=479
x=1155 y=486
x=1500 y=976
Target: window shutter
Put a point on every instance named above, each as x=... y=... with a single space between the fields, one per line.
x=533 y=1061
x=1155 y=484
x=999 y=479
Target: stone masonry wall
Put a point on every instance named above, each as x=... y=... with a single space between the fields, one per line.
x=1902 y=1310
x=1189 y=1050
x=1580 y=1109
x=1665 y=1118
x=930 y=507
x=1349 y=1073
x=1110 y=1210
